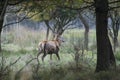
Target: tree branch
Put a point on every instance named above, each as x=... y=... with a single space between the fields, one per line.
x=47 y=24
x=114 y=2
x=111 y=8
x=24 y=66
x=81 y=8
x=67 y=26
x=71 y=27
x=11 y=64
x=25 y=17
x=14 y=11
x=84 y=21
x=16 y=2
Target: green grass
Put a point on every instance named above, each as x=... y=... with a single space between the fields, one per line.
x=25 y=45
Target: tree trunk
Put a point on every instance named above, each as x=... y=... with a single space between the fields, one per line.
x=115 y=28
x=3 y=5
x=86 y=39
x=115 y=43
x=1 y=24
x=112 y=57
x=86 y=26
x=105 y=56
x=1 y=19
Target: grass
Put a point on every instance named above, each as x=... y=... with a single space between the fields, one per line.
x=16 y=44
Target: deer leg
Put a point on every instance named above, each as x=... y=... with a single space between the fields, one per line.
x=43 y=57
x=57 y=50
x=38 y=54
x=58 y=56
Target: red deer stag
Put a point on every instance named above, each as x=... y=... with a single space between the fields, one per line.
x=50 y=47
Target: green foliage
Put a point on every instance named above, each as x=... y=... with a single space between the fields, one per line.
x=46 y=8
x=106 y=75
x=69 y=73
x=5 y=69
x=8 y=39
x=58 y=72
x=22 y=51
x=65 y=69
x=117 y=56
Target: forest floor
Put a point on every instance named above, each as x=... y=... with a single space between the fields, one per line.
x=20 y=49
x=66 y=69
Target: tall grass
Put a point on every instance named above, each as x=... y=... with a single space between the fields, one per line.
x=23 y=42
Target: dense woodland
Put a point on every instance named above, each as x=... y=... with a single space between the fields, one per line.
x=83 y=35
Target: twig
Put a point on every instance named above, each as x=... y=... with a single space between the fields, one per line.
x=67 y=26
x=25 y=17
x=11 y=64
x=25 y=65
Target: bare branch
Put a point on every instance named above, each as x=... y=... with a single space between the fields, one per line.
x=114 y=2
x=14 y=11
x=12 y=64
x=47 y=24
x=71 y=27
x=81 y=8
x=25 y=17
x=4 y=69
x=15 y=22
x=25 y=66
x=16 y=2
x=67 y=21
x=67 y=26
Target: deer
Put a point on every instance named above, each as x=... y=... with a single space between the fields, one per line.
x=50 y=47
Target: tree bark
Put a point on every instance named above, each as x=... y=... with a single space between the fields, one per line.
x=115 y=28
x=105 y=56
x=1 y=24
x=86 y=26
x=86 y=41
x=3 y=5
x=115 y=43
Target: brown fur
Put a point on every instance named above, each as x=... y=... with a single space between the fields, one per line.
x=49 y=47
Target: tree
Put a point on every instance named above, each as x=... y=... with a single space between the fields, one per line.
x=86 y=26
x=62 y=19
x=56 y=19
x=105 y=56
x=115 y=23
x=3 y=7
